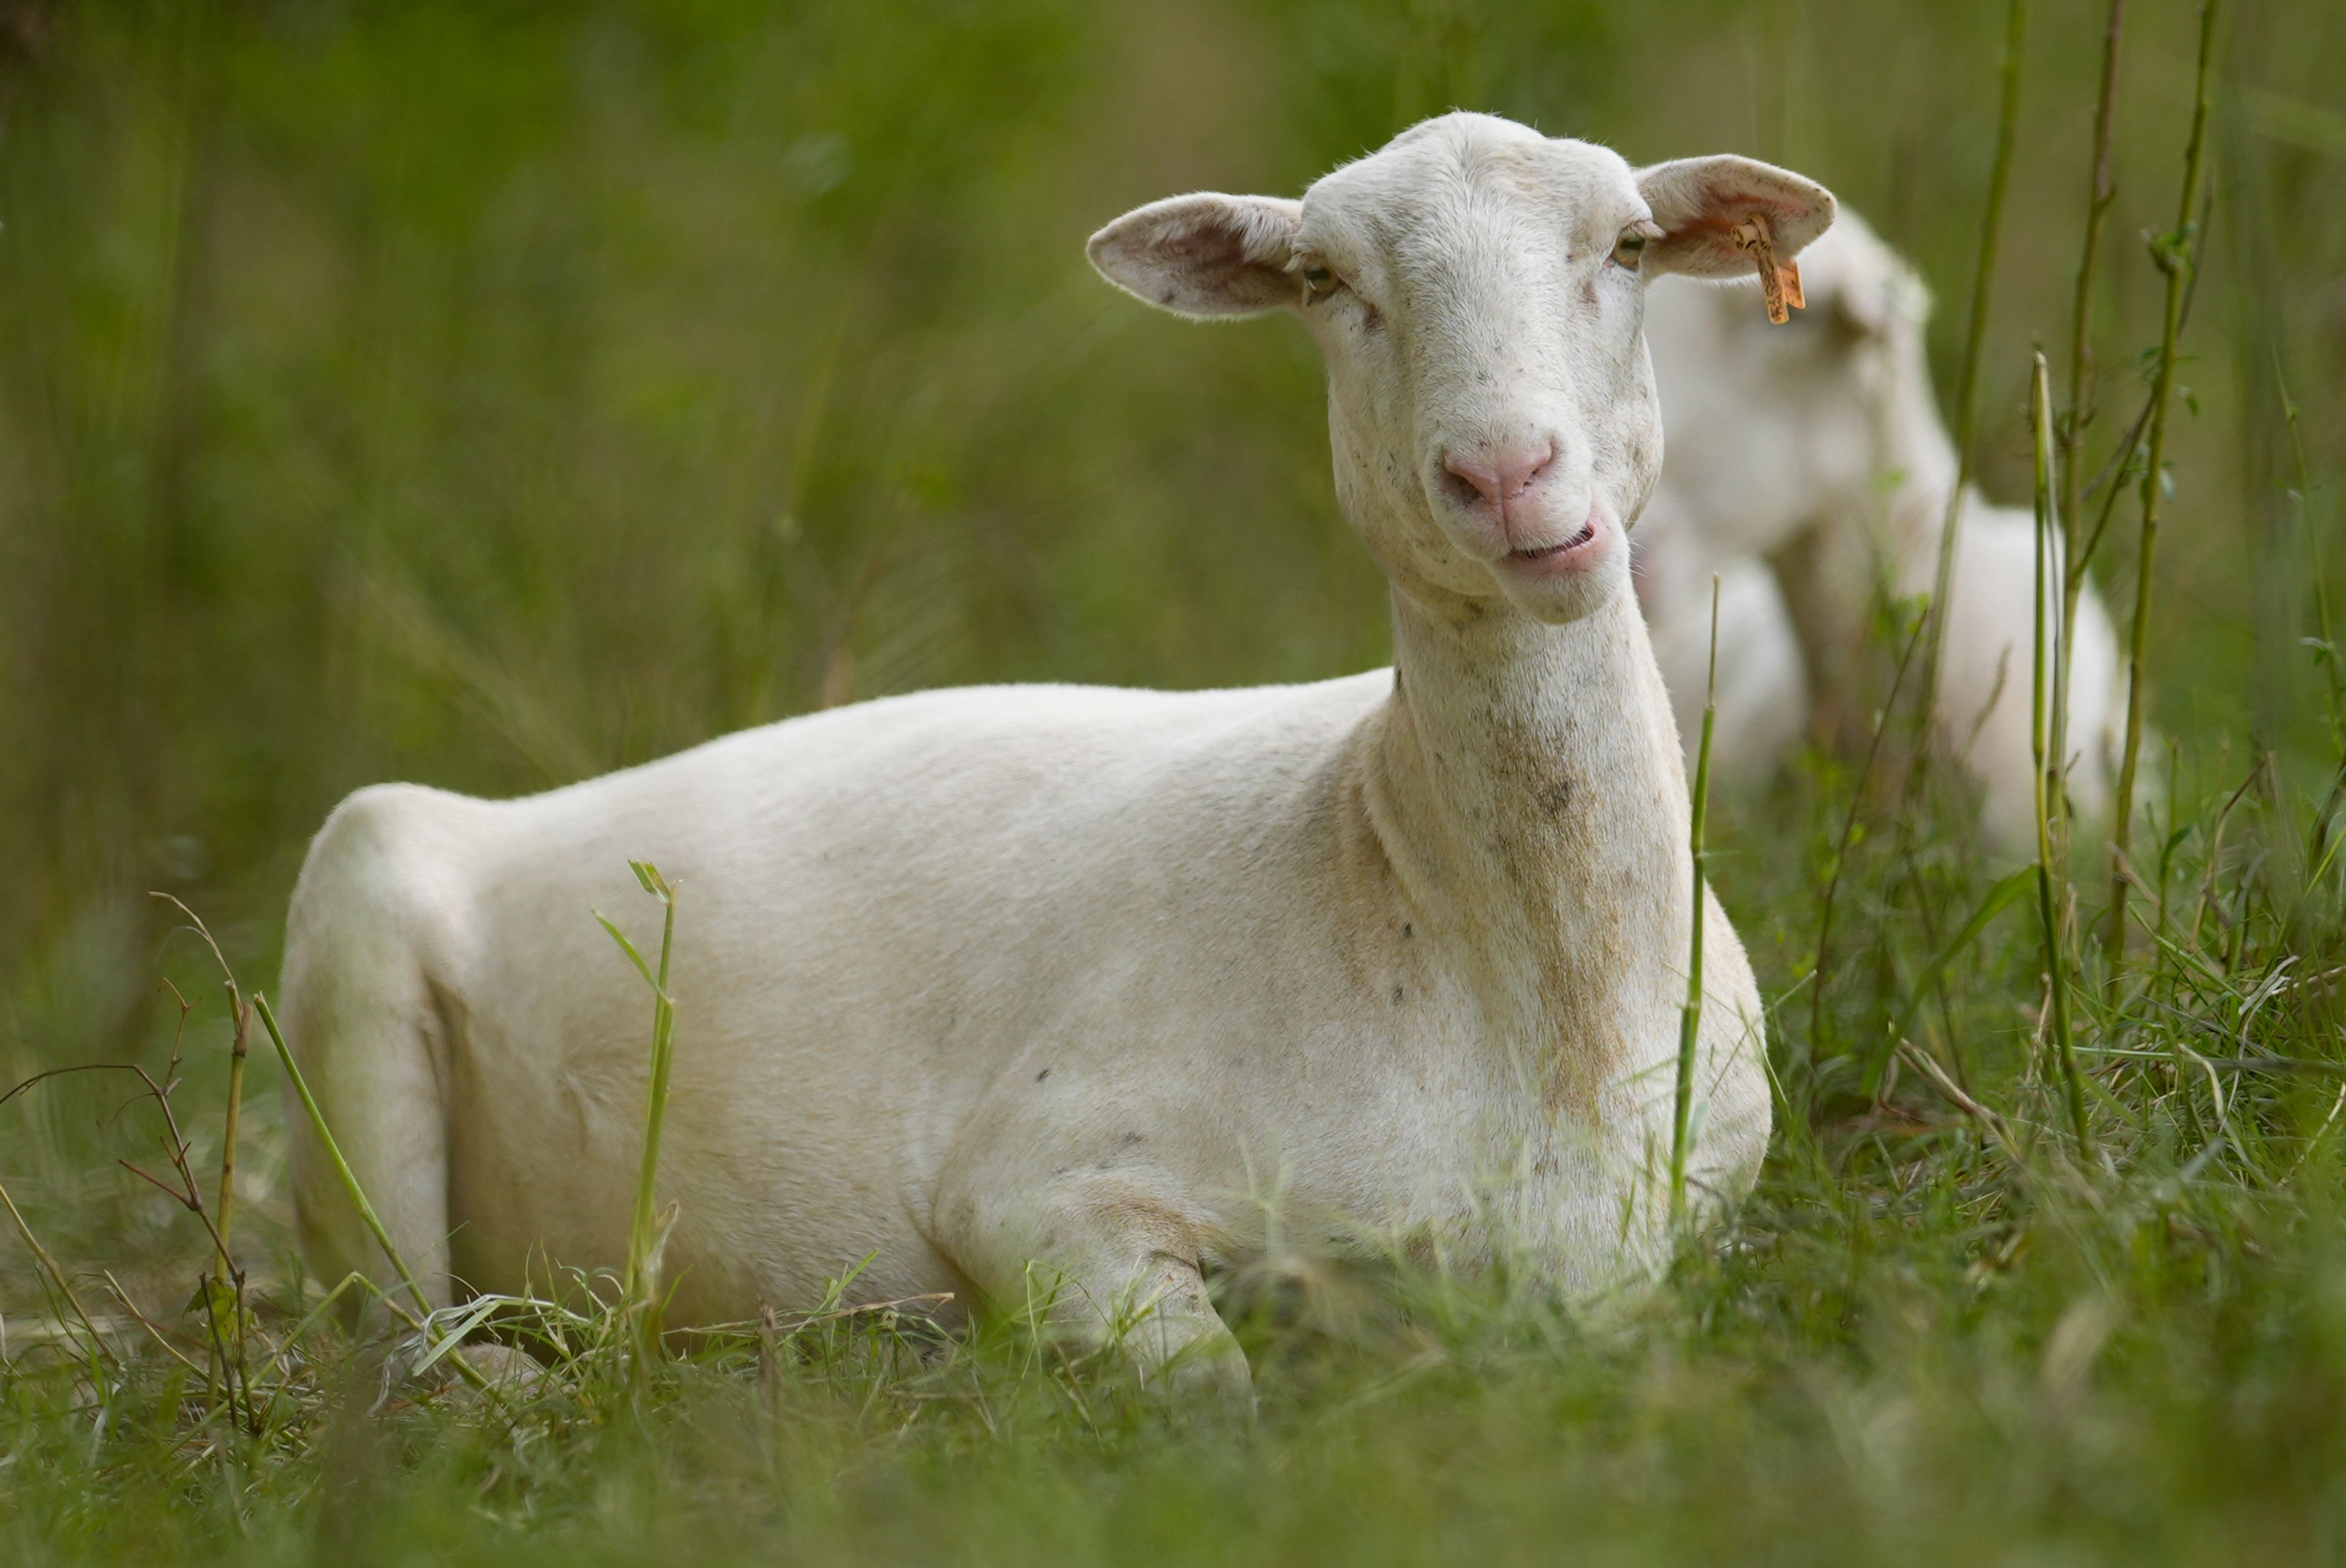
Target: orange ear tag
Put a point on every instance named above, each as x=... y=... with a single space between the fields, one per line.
x=1780 y=282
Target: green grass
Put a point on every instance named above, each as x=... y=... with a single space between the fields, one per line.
x=491 y=393
x=1926 y=1338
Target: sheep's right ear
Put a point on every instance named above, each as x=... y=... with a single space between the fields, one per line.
x=1204 y=255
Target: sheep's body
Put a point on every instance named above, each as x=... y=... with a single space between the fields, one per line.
x=1809 y=467
x=948 y=964
x=1119 y=984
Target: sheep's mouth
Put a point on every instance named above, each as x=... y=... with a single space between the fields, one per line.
x=1550 y=551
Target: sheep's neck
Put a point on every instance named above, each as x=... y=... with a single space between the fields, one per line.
x=1525 y=787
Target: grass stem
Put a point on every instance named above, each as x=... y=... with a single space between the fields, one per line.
x=374 y=1225
x=2069 y=467
x=1942 y=576
x=1846 y=843
x=1691 y=1020
x=2313 y=565
x=239 y=1048
x=99 y=1346
x=2176 y=255
x=334 y=1152
x=2317 y=844
x=2049 y=768
x=641 y=1284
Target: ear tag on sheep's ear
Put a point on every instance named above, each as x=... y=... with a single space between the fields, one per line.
x=1779 y=281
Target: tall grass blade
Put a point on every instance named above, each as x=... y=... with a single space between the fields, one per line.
x=2318 y=849
x=351 y=1185
x=239 y=1048
x=1820 y=969
x=647 y=1234
x=2008 y=136
x=1998 y=898
x=2176 y=255
x=99 y=1346
x=1691 y=1020
x=2049 y=770
x=2070 y=468
x=334 y=1152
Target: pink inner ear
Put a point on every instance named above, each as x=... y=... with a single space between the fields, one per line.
x=1722 y=210
x=1206 y=247
x=1702 y=236
x=1213 y=258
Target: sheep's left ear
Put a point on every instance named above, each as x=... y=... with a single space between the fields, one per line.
x=1204 y=255
x=1699 y=202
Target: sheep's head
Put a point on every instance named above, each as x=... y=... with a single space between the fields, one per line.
x=1774 y=428
x=1478 y=290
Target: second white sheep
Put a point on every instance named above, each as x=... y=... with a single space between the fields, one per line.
x=1807 y=466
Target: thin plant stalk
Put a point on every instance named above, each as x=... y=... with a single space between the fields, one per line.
x=2112 y=480
x=2317 y=854
x=240 y=1047
x=1915 y=788
x=2070 y=466
x=226 y=1288
x=2168 y=839
x=351 y=1185
x=223 y=1291
x=334 y=1152
x=2176 y=255
x=2048 y=763
x=146 y=1323
x=1691 y=1020
x=642 y=1282
x=99 y=1346
x=2330 y=666
x=1848 y=840
x=2008 y=136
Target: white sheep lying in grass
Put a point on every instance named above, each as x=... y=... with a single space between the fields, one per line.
x=1112 y=984
x=1808 y=466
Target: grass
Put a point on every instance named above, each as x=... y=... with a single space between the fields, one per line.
x=1930 y=1334
x=1966 y=414
x=640 y=1288
x=2177 y=254
x=496 y=394
x=2051 y=774
x=1691 y=1013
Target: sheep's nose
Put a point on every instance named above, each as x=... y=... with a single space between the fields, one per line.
x=1496 y=476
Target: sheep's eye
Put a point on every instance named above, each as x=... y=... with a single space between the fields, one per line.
x=1628 y=249
x=1319 y=282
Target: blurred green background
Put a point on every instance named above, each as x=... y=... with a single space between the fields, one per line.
x=494 y=393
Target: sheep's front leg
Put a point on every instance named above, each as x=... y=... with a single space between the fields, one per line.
x=1111 y=1259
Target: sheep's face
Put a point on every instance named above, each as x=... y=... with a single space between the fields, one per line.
x=1478 y=290
x=1776 y=428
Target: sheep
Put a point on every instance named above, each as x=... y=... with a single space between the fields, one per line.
x=982 y=988
x=1809 y=467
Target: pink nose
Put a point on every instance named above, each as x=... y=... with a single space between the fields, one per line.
x=1494 y=476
